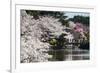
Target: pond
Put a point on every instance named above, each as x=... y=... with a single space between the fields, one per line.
x=69 y=54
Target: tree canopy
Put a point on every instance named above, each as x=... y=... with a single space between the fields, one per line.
x=82 y=19
x=55 y=14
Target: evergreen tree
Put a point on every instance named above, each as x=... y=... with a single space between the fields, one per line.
x=82 y=19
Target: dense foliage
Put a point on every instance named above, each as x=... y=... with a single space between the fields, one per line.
x=59 y=15
x=82 y=19
x=35 y=35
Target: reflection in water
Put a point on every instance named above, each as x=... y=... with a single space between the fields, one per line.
x=69 y=54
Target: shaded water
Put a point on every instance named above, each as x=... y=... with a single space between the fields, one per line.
x=69 y=54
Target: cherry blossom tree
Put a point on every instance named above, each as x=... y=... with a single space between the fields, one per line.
x=35 y=34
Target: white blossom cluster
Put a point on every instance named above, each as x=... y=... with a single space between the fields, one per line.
x=33 y=33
